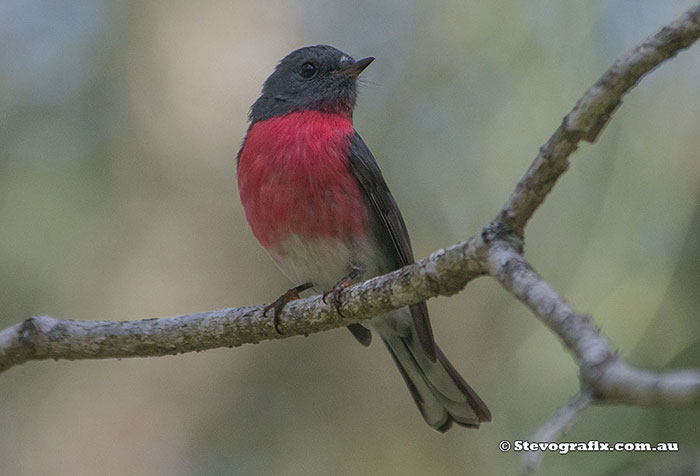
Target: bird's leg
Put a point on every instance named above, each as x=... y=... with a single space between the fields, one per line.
x=346 y=282
x=291 y=295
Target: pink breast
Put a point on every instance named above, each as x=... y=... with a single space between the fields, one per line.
x=294 y=179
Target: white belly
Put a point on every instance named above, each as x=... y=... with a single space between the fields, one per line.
x=323 y=262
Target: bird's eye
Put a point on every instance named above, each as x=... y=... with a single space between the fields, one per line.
x=308 y=70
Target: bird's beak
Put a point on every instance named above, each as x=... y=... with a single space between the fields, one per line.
x=354 y=69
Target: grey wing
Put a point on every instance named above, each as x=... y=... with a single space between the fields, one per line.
x=391 y=228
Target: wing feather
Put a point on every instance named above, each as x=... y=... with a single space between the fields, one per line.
x=391 y=228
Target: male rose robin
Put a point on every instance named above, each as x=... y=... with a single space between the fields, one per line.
x=316 y=200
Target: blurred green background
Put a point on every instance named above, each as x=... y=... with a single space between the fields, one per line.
x=119 y=124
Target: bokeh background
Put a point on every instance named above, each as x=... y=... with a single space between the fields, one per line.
x=119 y=124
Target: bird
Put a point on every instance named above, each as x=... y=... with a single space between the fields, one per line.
x=317 y=201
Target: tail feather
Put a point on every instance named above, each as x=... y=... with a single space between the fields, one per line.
x=440 y=392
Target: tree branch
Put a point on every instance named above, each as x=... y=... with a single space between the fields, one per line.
x=554 y=428
x=496 y=251
x=445 y=272
x=592 y=113
x=602 y=371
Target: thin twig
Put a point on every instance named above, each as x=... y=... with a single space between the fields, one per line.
x=554 y=428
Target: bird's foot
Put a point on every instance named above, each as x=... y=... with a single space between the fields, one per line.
x=291 y=295
x=340 y=286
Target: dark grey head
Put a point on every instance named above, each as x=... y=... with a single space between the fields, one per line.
x=315 y=77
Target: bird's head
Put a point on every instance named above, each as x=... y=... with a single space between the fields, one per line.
x=314 y=77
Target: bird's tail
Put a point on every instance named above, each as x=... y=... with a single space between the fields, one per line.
x=442 y=395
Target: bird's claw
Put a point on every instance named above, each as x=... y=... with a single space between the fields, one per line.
x=290 y=295
x=335 y=293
